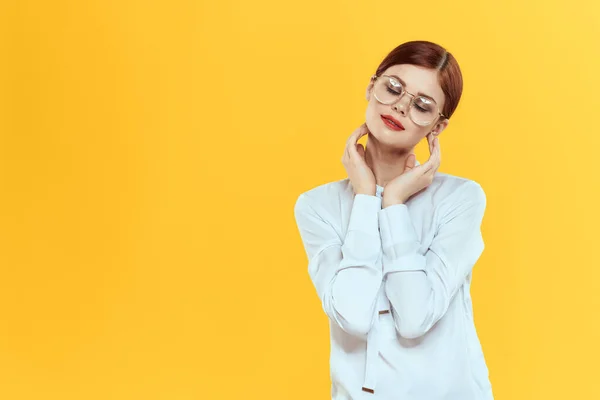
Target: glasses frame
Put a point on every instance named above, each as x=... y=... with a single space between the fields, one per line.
x=412 y=100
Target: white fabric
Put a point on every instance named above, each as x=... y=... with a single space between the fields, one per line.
x=414 y=260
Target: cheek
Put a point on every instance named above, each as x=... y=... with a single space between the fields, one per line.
x=372 y=117
x=373 y=111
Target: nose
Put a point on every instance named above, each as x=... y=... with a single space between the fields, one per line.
x=401 y=106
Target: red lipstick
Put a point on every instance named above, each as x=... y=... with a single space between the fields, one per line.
x=392 y=123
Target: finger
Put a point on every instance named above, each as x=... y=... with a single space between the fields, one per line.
x=352 y=136
x=427 y=165
x=410 y=162
x=346 y=148
x=436 y=153
x=361 y=131
x=351 y=141
x=436 y=156
x=357 y=134
x=353 y=151
x=433 y=160
x=361 y=150
x=349 y=144
x=429 y=141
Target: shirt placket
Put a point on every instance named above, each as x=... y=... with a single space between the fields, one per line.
x=374 y=343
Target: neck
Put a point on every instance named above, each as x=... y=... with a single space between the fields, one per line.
x=385 y=163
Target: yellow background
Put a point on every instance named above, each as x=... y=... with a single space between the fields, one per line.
x=151 y=153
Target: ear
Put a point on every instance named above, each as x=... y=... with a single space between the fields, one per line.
x=439 y=127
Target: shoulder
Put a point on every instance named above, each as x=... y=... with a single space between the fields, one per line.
x=458 y=196
x=456 y=188
x=323 y=204
x=325 y=193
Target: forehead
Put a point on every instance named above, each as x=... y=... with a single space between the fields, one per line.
x=419 y=79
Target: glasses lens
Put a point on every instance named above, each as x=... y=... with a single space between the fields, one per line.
x=387 y=90
x=423 y=110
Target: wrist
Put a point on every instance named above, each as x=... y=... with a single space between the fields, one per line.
x=391 y=202
x=370 y=191
x=365 y=192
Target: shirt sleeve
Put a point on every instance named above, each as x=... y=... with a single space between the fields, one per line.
x=346 y=272
x=421 y=286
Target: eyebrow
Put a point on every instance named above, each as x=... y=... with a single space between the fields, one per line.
x=419 y=93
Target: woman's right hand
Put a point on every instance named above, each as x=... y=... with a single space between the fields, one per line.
x=361 y=176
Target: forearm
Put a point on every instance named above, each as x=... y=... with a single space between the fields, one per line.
x=420 y=282
x=352 y=296
x=417 y=300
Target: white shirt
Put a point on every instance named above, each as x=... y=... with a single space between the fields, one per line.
x=395 y=284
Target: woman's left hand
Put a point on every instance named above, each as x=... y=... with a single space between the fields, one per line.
x=413 y=179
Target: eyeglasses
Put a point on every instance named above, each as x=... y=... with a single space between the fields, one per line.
x=423 y=110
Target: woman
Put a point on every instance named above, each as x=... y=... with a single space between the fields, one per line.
x=391 y=248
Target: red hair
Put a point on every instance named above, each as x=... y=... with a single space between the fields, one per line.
x=430 y=55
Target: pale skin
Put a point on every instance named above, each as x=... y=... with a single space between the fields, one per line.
x=389 y=160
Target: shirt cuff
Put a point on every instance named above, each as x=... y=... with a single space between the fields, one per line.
x=399 y=240
x=364 y=214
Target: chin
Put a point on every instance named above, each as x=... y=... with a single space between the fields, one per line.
x=394 y=139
